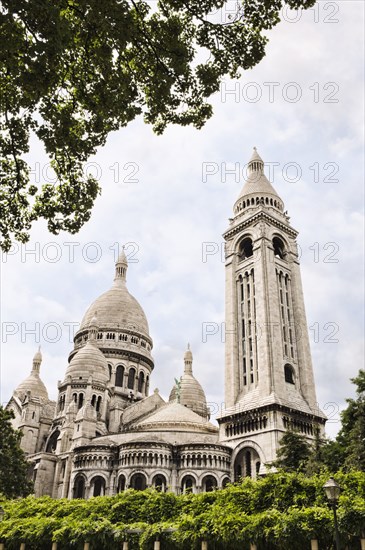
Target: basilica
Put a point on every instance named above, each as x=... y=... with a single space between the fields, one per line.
x=108 y=432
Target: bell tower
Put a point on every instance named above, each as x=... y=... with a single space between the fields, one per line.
x=269 y=384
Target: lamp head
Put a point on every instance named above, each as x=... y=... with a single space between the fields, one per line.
x=332 y=490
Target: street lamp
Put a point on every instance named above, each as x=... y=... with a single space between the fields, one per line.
x=332 y=490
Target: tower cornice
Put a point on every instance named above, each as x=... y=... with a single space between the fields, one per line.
x=259 y=216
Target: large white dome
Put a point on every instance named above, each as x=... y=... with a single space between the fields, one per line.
x=116 y=309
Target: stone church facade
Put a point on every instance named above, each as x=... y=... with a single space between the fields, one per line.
x=107 y=432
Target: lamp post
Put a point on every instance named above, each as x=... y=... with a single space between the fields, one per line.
x=332 y=490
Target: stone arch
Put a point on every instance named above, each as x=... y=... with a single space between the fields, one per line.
x=97 y=486
x=258 y=456
x=245 y=247
x=159 y=482
x=188 y=483
x=225 y=482
x=209 y=483
x=138 y=481
x=121 y=486
x=52 y=441
x=247 y=462
x=131 y=378
x=79 y=486
x=141 y=382
x=119 y=376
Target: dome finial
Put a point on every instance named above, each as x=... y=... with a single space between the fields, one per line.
x=256 y=164
x=37 y=360
x=121 y=267
x=188 y=361
x=93 y=327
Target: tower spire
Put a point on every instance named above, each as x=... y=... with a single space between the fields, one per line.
x=121 y=267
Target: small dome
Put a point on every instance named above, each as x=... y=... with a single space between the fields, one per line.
x=89 y=361
x=34 y=384
x=87 y=412
x=191 y=395
x=188 y=391
x=178 y=418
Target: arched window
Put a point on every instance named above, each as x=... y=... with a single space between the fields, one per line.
x=110 y=371
x=121 y=483
x=138 y=482
x=159 y=482
x=98 y=486
x=98 y=403
x=79 y=487
x=141 y=381
x=52 y=442
x=279 y=248
x=188 y=484
x=225 y=482
x=81 y=400
x=246 y=248
x=248 y=464
x=289 y=374
x=131 y=378
x=119 y=376
x=93 y=400
x=209 y=484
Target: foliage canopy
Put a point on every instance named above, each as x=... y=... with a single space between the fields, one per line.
x=72 y=71
x=13 y=464
x=280 y=512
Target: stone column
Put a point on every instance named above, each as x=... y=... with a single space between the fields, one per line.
x=157 y=545
x=362 y=544
x=314 y=544
x=112 y=379
x=204 y=545
x=125 y=545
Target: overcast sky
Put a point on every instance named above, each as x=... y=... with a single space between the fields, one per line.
x=168 y=196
